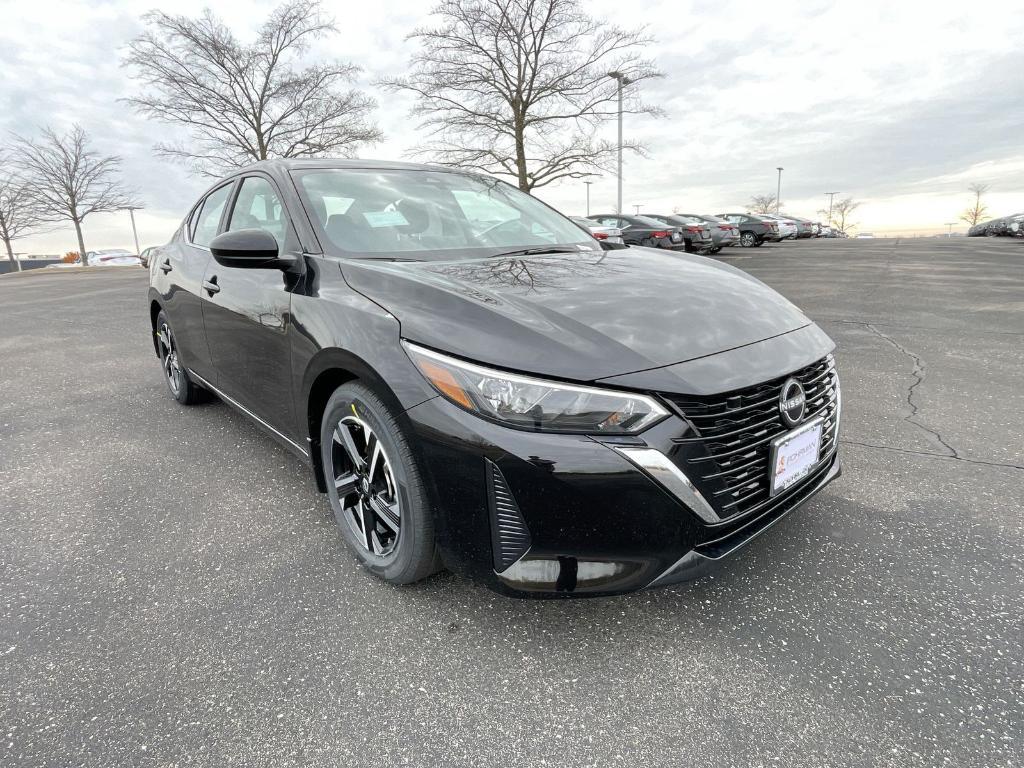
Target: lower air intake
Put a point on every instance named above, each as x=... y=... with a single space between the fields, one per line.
x=510 y=536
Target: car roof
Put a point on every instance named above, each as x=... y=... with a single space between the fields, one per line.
x=301 y=163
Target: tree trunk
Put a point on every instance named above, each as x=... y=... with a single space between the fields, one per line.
x=81 y=243
x=10 y=255
x=524 y=181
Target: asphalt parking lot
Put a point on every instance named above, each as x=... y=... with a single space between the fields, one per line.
x=173 y=590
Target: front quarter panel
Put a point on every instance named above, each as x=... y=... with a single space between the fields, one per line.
x=337 y=328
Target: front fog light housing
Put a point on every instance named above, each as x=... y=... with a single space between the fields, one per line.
x=534 y=404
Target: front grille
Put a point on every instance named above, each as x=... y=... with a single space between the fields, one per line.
x=727 y=455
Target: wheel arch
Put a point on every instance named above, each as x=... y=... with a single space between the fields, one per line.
x=154 y=310
x=328 y=370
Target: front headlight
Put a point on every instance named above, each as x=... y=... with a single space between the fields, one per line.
x=534 y=404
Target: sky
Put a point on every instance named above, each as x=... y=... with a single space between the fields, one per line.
x=899 y=105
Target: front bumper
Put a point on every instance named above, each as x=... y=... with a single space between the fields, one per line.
x=548 y=515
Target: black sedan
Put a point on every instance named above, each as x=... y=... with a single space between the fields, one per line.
x=476 y=382
x=754 y=230
x=696 y=232
x=641 y=230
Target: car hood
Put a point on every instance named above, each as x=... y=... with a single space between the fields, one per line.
x=578 y=316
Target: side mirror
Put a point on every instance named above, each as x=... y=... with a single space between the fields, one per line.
x=248 y=249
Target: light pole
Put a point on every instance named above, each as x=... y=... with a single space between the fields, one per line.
x=622 y=81
x=588 y=183
x=949 y=224
x=831 y=195
x=778 y=191
x=131 y=212
x=637 y=207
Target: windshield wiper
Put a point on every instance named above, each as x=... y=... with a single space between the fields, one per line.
x=537 y=251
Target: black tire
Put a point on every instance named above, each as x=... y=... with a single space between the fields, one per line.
x=180 y=385
x=748 y=239
x=758 y=243
x=715 y=250
x=399 y=555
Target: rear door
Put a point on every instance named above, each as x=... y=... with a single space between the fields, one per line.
x=178 y=276
x=247 y=312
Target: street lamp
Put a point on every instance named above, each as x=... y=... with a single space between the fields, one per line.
x=131 y=212
x=588 y=183
x=778 y=191
x=831 y=195
x=622 y=81
x=949 y=233
x=637 y=209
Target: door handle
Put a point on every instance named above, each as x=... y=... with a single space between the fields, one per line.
x=166 y=266
x=210 y=286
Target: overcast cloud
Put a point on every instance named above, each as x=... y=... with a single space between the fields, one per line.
x=898 y=104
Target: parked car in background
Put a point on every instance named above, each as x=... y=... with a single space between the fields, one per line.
x=696 y=231
x=865 y=236
x=787 y=227
x=144 y=256
x=599 y=231
x=824 y=230
x=1005 y=226
x=640 y=230
x=113 y=257
x=804 y=227
x=509 y=399
x=723 y=232
x=754 y=230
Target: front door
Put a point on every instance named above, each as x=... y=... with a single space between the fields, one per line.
x=247 y=313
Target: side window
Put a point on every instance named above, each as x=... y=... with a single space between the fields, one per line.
x=208 y=217
x=608 y=221
x=258 y=207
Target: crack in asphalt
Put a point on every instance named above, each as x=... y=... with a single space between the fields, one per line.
x=931 y=455
x=900 y=326
x=919 y=374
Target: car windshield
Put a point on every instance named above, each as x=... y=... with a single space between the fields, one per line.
x=414 y=214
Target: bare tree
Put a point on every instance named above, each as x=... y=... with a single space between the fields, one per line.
x=68 y=181
x=243 y=103
x=841 y=212
x=978 y=211
x=763 y=204
x=19 y=214
x=519 y=87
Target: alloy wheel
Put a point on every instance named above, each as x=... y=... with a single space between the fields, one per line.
x=367 y=492
x=169 y=358
x=747 y=239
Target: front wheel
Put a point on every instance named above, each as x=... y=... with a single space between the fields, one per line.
x=747 y=240
x=375 y=487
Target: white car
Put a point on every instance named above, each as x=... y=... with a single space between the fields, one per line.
x=113 y=257
x=599 y=231
x=787 y=227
